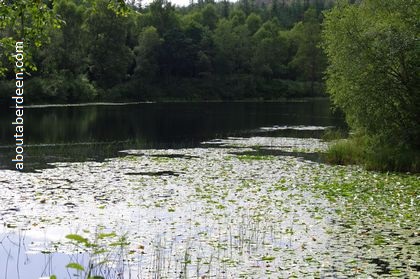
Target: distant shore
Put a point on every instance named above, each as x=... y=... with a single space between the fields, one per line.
x=175 y=101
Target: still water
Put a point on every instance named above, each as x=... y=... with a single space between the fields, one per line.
x=196 y=190
x=96 y=132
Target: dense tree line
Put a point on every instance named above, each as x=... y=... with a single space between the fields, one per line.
x=92 y=50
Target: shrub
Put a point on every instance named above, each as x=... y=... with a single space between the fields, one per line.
x=373 y=155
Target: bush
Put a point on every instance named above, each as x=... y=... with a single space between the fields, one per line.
x=334 y=134
x=346 y=152
x=61 y=88
x=384 y=157
x=80 y=90
x=373 y=155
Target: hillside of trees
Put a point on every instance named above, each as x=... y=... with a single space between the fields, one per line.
x=90 y=51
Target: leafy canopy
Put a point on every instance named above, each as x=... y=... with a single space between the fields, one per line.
x=373 y=72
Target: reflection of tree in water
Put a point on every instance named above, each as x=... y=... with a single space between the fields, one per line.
x=95 y=132
x=62 y=124
x=165 y=122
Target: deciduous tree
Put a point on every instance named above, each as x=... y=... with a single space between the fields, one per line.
x=373 y=72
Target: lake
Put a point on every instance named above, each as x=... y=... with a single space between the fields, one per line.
x=99 y=131
x=198 y=190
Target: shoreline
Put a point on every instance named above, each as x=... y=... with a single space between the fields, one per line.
x=285 y=100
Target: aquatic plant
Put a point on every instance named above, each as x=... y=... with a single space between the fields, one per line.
x=221 y=216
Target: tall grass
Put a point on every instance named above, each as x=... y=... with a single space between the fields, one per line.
x=373 y=155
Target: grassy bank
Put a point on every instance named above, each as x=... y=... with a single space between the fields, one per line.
x=365 y=151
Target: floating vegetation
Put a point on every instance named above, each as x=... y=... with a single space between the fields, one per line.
x=174 y=156
x=218 y=213
x=154 y=173
x=379 y=213
x=270 y=153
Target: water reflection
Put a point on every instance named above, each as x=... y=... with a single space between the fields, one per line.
x=18 y=261
x=98 y=132
x=28 y=255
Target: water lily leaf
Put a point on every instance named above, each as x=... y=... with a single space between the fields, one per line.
x=77 y=238
x=75 y=266
x=119 y=243
x=268 y=258
x=106 y=235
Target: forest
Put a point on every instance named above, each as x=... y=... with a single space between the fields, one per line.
x=98 y=50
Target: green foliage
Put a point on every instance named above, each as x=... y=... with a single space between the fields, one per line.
x=373 y=155
x=107 y=50
x=233 y=47
x=373 y=77
x=373 y=72
x=147 y=53
x=209 y=16
x=75 y=266
x=387 y=157
x=162 y=15
x=334 y=134
x=103 y=249
x=64 y=52
x=309 y=58
x=247 y=157
x=109 y=56
x=61 y=87
x=24 y=20
x=253 y=22
x=237 y=17
x=346 y=152
x=268 y=258
x=5 y=88
x=269 y=43
x=77 y=238
x=378 y=199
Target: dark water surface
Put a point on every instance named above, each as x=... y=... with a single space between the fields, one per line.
x=96 y=132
